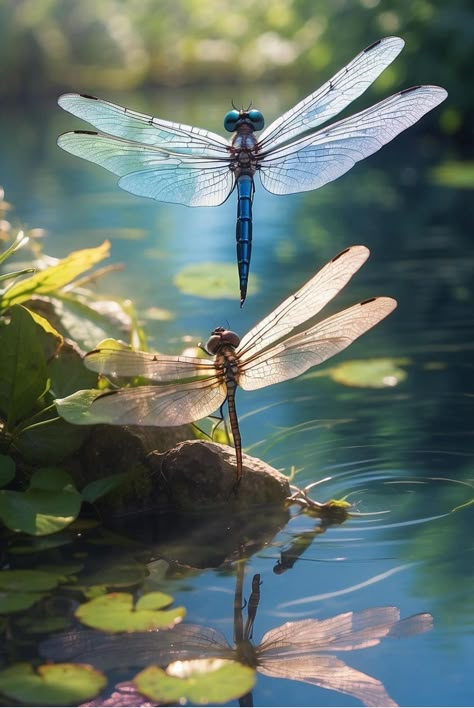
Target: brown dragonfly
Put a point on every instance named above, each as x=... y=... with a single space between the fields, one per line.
x=186 y=389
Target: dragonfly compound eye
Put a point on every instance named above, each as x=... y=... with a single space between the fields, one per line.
x=230 y=120
x=256 y=118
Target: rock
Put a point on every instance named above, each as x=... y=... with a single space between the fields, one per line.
x=197 y=474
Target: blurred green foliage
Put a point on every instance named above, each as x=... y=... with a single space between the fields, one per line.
x=51 y=45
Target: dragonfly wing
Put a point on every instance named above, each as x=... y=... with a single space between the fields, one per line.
x=139 y=128
x=344 y=632
x=150 y=172
x=315 y=160
x=305 y=303
x=337 y=93
x=164 y=406
x=327 y=672
x=299 y=353
x=155 y=367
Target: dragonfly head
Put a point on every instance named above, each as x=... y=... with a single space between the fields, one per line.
x=236 y=118
x=220 y=337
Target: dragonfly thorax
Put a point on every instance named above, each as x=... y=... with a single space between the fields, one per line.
x=221 y=337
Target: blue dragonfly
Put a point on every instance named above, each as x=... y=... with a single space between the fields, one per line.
x=173 y=162
x=183 y=389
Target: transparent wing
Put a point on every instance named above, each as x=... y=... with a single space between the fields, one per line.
x=315 y=160
x=302 y=351
x=150 y=172
x=139 y=128
x=137 y=649
x=155 y=367
x=325 y=103
x=330 y=673
x=344 y=632
x=305 y=303
x=164 y=406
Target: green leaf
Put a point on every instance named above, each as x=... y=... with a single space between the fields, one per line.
x=48 y=442
x=23 y=374
x=86 y=325
x=75 y=408
x=455 y=174
x=50 y=479
x=27 y=580
x=39 y=512
x=100 y=487
x=55 y=277
x=7 y=470
x=201 y=681
x=370 y=373
x=51 y=684
x=50 y=338
x=115 y=613
x=11 y=602
x=212 y=281
x=68 y=373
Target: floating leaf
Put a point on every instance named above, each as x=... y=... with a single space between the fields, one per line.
x=15 y=601
x=7 y=470
x=56 y=276
x=455 y=174
x=27 y=580
x=23 y=374
x=100 y=487
x=115 y=613
x=369 y=373
x=201 y=681
x=21 y=589
x=51 y=684
x=50 y=504
x=212 y=281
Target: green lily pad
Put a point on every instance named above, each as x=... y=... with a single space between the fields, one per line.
x=7 y=470
x=201 y=681
x=370 y=373
x=212 y=281
x=51 y=684
x=115 y=612
x=455 y=174
x=11 y=602
x=27 y=580
x=114 y=574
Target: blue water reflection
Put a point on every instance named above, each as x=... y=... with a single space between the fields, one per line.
x=377 y=445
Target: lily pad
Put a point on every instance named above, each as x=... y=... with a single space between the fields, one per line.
x=455 y=174
x=27 y=580
x=115 y=612
x=370 y=373
x=201 y=681
x=51 y=684
x=212 y=281
x=14 y=601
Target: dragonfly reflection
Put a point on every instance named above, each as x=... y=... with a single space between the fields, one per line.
x=173 y=162
x=186 y=389
x=302 y=650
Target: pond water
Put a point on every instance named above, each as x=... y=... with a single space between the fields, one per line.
x=401 y=452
